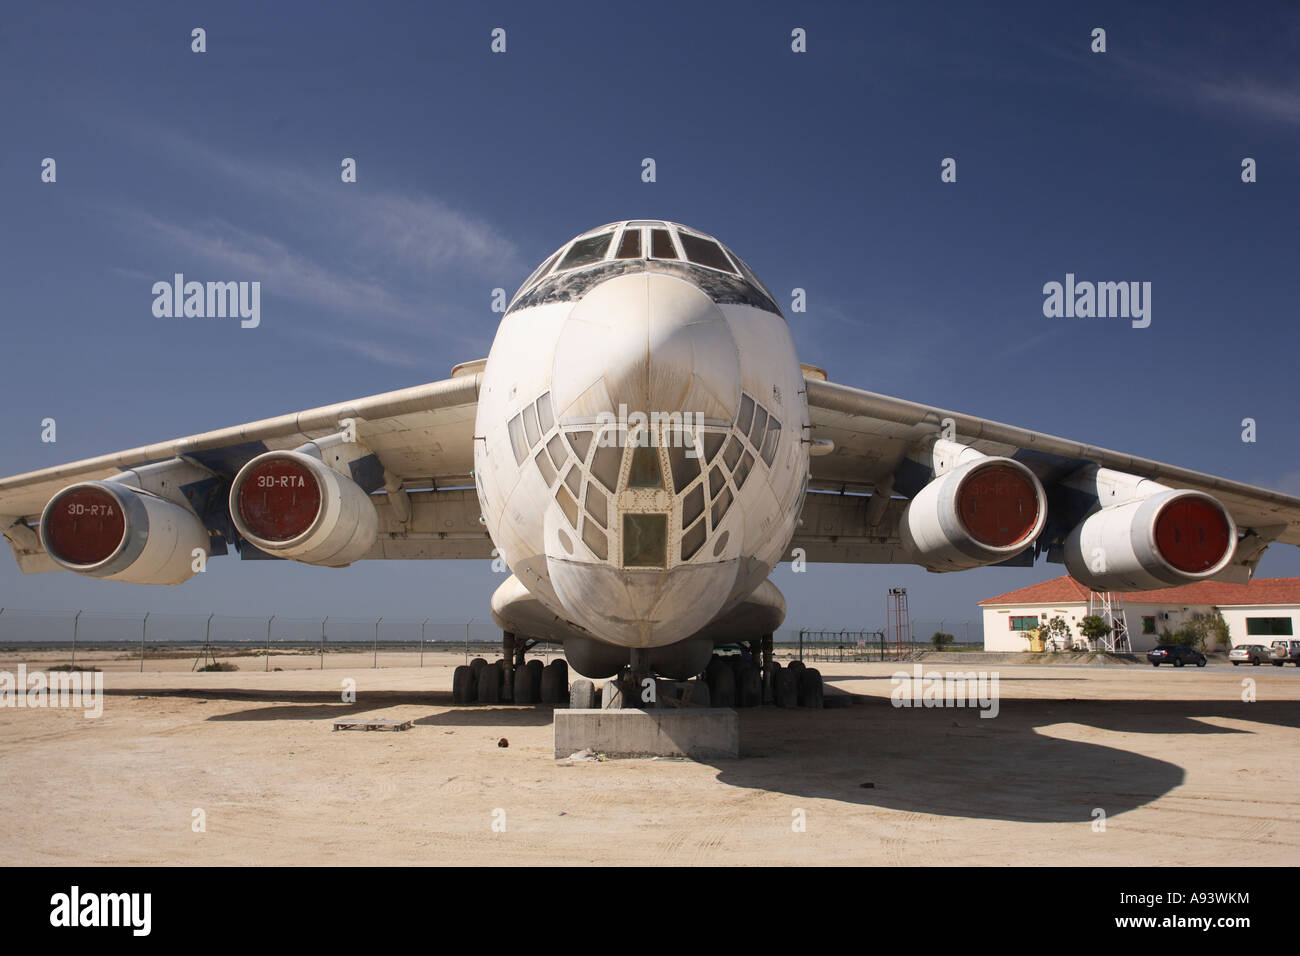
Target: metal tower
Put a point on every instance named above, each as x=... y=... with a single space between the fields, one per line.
x=898 y=624
x=1108 y=607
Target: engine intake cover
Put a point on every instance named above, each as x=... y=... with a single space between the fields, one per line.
x=980 y=513
x=294 y=506
x=1170 y=538
x=113 y=531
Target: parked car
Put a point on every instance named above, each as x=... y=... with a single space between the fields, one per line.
x=1255 y=654
x=1283 y=652
x=1175 y=654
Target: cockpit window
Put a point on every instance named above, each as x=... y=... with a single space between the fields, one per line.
x=586 y=251
x=704 y=252
x=630 y=245
x=661 y=244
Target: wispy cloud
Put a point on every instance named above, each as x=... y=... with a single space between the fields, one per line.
x=373 y=263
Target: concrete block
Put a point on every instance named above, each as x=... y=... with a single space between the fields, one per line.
x=666 y=732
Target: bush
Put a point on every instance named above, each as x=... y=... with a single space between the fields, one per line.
x=220 y=666
x=1094 y=628
x=940 y=638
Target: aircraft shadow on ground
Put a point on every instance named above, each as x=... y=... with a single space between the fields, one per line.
x=951 y=762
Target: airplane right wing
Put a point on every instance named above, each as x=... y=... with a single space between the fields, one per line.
x=880 y=452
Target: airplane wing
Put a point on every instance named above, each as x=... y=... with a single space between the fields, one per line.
x=422 y=440
x=860 y=483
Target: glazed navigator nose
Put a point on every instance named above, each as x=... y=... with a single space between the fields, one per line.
x=647 y=343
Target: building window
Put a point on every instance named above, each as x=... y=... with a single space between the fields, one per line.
x=1149 y=624
x=1023 y=623
x=1268 y=626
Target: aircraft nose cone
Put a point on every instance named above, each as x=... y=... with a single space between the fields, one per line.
x=654 y=343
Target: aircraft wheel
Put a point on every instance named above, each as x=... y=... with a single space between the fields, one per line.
x=476 y=665
x=749 y=686
x=463 y=689
x=489 y=683
x=582 y=695
x=722 y=687
x=526 y=684
x=811 y=690
x=796 y=667
x=554 y=684
x=696 y=694
x=786 y=691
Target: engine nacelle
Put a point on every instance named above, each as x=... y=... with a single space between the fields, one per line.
x=980 y=513
x=119 y=533
x=1164 y=540
x=292 y=505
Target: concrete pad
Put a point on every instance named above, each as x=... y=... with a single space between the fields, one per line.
x=667 y=732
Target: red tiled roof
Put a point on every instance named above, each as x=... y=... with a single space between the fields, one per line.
x=1066 y=590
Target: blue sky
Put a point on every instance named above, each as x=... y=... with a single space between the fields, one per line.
x=821 y=169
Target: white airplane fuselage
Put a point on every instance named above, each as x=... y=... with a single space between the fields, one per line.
x=640 y=452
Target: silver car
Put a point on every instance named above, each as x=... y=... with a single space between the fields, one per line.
x=1255 y=654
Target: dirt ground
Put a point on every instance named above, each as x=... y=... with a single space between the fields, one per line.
x=1184 y=771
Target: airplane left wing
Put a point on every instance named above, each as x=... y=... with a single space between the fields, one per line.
x=415 y=461
x=873 y=453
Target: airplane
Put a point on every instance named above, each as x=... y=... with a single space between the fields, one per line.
x=641 y=447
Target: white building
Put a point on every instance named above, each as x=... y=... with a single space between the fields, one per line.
x=1263 y=611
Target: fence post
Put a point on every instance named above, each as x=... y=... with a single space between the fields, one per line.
x=467 y=624
x=376 y=663
x=422 y=623
x=322 y=641
x=144 y=631
x=75 y=621
x=268 y=642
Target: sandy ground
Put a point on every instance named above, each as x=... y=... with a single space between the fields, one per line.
x=1185 y=772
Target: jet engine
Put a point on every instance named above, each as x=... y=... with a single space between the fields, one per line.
x=292 y=505
x=1163 y=540
x=109 y=530
x=981 y=512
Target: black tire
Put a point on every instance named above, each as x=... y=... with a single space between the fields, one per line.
x=786 y=692
x=812 y=692
x=534 y=669
x=1201 y=662
x=696 y=694
x=1178 y=662
x=722 y=687
x=796 y=666
x=749 y=686
x=1256 y=663
x=1235 y=663
x=554 y=686
x=1155 y=663
x=582 y=695
x=526 y=684
x=1277 y=663
x=489 y=683
x=463 y=689
x=476 y=665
